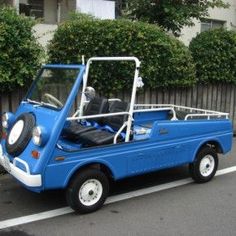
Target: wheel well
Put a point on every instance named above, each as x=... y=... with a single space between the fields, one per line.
x=106 y=170
x=213 y=144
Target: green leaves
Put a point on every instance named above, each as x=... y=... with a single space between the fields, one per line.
x=165 y=61
x=172 y=15
x=214 y=53
x=20 y=54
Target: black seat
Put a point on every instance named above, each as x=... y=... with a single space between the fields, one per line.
x=95 y=106
x=99 y=136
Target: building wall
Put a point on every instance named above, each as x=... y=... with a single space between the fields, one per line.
x=67 y=6
x=227 y=15
x=98 y=8
x=50 y=11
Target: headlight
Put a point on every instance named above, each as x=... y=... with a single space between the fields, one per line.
x=5 y=118
x=37 y=136
x=40 y=136
x=8 y=119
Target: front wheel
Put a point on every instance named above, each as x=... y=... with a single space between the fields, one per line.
x=87 y=191
x=204 y=167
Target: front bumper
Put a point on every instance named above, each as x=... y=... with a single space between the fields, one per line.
x=24 y=177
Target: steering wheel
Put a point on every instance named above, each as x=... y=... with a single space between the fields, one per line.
x=53 y=100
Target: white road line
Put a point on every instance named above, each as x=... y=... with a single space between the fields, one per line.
x=66 y=210
x=35 y=217
x=226 y=171
x=149 y=190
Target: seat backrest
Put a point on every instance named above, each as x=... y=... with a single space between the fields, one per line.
x=116 y=122
x=96 y=106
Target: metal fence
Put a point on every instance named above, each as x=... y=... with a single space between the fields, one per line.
x=220 y=97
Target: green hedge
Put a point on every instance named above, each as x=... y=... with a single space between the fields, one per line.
x=165 y=61
x=214 y=53
x=20 y=54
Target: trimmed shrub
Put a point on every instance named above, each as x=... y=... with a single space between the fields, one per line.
x=214 y=52
x=165 y=61
x=20 y=54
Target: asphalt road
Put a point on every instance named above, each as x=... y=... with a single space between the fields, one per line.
x=193 y=209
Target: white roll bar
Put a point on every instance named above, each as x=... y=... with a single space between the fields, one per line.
x=97 y=116
x=152 y=107
x=134 y=89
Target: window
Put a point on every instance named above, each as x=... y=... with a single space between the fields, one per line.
x=52 y=87
x=32 y=8
x=207 y=24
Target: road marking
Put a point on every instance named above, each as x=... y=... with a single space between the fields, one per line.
x=66 y=210
x=226 y=171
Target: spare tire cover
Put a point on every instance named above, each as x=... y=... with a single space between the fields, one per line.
x=20 y=134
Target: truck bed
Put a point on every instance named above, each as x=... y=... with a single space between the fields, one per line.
x=183 y=112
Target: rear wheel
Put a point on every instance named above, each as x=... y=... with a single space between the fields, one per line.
x=87 y=191
x=204 y=167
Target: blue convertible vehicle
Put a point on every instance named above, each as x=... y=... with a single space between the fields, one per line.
x=65 y=136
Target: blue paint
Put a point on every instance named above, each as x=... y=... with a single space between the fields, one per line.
x=158 y=143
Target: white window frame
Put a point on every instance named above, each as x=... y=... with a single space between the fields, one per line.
x=211 y=22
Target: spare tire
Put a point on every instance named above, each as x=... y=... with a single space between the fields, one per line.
x=20 y=134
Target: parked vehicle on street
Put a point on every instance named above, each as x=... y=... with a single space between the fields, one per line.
x=46 y=145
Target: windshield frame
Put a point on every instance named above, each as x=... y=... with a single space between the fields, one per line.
x=27 y=98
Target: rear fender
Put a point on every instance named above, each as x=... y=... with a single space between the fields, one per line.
x=223 y=145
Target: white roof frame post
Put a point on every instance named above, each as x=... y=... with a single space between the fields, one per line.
x=134 y=89
x=133 y=97
x=85 y=80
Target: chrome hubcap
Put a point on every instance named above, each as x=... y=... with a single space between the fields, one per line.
x=90 y=192
x=207 y=165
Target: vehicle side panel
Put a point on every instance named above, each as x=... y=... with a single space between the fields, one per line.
x=170 y=144
x=205 y=130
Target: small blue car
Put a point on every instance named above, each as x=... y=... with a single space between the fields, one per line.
x=65 y=136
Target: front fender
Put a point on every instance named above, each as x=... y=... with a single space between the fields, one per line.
x=85 y=164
